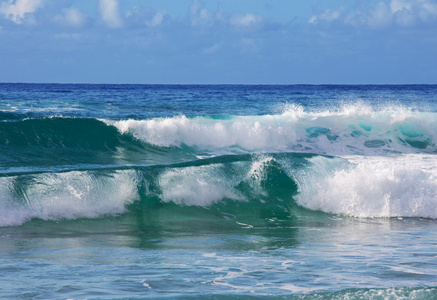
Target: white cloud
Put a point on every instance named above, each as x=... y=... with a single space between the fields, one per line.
x=398 y=5
x=200 y=16
x=409 y=12
x=326 y=16
x=109 y=11
x=246 y=21
x=157 y=19
x=138 y=16
x=404 y=13
x=71 y=17
x=405 y=18
x=17 y=10
x=376 y=17
x=379 y=17
x=430 y=7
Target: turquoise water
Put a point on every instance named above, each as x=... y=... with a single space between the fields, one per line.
x=139 y=191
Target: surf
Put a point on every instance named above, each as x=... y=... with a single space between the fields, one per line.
x=354 y=160
x=357 y=129
x=353 y=129
x=252 y=188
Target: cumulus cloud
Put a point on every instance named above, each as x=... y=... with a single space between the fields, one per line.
x=408 y=12
x=157 y=19
x=326 y=16
x=375 y=17
x=71 y=17
x=404 y=13
x=202 y=17
x=109 y=11
x=17 y=10
x=246 y=21
x=199 y=15
x=138 y=16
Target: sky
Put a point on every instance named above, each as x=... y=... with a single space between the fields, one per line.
x=219 y=41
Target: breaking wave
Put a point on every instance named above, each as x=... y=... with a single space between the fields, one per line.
x=354 y=129
x=253 y=189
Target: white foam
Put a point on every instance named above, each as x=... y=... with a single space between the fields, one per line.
x=198 y=186
x=351 y=129
x=65 y=196
x=403 y=186
x=246 y=132
x=206 y=185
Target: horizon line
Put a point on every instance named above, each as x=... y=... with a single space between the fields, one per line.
x=223 y=84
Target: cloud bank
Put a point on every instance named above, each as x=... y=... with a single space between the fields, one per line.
x=402 y=13
x=220 y=41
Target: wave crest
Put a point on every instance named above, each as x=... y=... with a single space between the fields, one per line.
x=353 y=129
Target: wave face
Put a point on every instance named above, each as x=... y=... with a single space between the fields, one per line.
x=97 y=158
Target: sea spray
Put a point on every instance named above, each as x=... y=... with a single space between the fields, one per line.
x=404 y=186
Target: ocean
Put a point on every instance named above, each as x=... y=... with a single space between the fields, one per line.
x=218 y=191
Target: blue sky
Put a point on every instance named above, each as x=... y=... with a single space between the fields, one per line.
x=223 y=41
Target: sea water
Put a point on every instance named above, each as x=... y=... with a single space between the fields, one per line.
x=221 y=191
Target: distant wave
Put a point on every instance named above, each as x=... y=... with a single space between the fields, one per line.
x=351 y=130
x=354 y=129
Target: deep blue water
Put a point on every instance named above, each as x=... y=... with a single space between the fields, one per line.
x=221 y=191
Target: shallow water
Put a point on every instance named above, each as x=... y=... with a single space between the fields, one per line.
x=316 y=255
